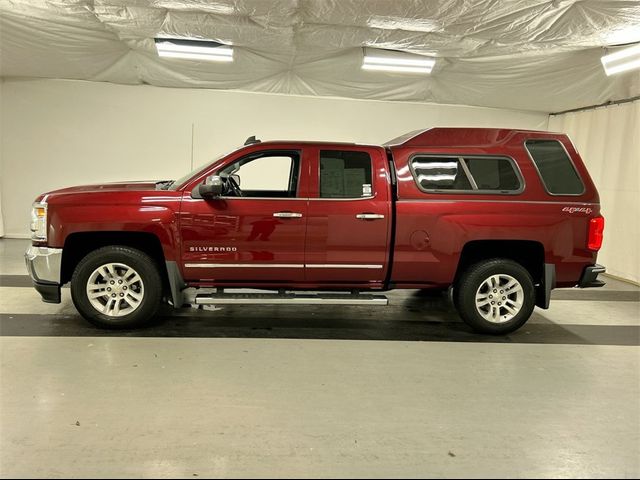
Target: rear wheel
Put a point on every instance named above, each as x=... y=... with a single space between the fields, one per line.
x=495 y=296
x=117 y=287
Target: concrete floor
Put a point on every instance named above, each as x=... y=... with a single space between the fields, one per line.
x=401 y=391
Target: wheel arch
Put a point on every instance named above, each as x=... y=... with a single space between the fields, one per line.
x=77 y=245
x=528 y=253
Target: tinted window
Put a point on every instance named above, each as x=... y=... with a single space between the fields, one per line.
x=440 y=173
x=493 y=174
x=345 y=174
x=555 y=167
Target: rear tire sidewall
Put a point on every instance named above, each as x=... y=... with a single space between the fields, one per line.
x=465 y=295
x=141 y=262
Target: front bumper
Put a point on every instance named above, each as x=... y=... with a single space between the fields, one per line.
x=44 y=265
x=589 y=278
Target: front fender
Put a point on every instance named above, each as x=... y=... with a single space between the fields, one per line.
x=161 y=221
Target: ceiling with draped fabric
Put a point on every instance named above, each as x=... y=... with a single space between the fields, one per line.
x=521 y=54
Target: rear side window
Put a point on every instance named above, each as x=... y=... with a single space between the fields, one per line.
x=476 y=174
x=493 y=174
x=555 y=167
x=345 y=174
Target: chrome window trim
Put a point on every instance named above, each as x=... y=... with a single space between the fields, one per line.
x=258 y=198
x=308 y=199
x=354 y=199
x=465 y=168
x=544 y=185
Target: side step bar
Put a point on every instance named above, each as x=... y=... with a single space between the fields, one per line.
x=290 y=299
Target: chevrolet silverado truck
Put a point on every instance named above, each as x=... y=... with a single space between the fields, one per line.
x=500 y=217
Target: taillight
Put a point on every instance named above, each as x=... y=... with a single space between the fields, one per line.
x=596 y=229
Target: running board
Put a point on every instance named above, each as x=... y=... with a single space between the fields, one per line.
x=289 y=299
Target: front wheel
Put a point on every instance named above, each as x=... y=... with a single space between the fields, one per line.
x=495 y=296
x=117 y=287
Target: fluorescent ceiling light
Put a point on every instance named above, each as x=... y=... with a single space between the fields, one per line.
x=392 y=61
x=194 y=49
x=622 y=60
x=206 y=6
x=395 y=68
x=404 y=23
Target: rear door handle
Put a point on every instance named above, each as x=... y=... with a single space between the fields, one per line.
x=369 y=216
x=287 y=215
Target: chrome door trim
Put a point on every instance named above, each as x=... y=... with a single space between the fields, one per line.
x=244 y=265
x=342 y=265
x=280 y=265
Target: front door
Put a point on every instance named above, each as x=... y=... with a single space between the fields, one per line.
x=349 y=216
x=256 y=231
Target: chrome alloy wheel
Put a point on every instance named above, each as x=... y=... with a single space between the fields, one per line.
x=115 y=289
x=499 y=298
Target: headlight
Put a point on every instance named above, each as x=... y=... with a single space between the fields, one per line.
x=39 y=222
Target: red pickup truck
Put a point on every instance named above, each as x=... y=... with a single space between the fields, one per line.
x=500 y=216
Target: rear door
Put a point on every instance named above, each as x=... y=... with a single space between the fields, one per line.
x=349 y=215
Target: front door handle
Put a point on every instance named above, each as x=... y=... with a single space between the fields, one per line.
x=369 y=216
x=287 y=215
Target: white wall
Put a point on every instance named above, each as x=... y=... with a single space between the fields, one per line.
x=1 y=170
x=608 y=139
x=57 y=133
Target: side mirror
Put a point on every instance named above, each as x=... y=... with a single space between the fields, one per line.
x=212 y=187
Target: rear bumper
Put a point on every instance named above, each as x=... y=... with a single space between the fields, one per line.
x=44 y=265
x=589 y=278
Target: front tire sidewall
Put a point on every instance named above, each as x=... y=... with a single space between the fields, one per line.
x=139 y=261
x=471 y=281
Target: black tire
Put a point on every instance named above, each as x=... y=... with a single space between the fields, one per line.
x=147 y=270
x=466 y=288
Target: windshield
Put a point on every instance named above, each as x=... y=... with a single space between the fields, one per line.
x=176 y=184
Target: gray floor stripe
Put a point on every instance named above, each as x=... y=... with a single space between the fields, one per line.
x=590 y=294
x=197 y=324
x=15 y=281
x=595 y=295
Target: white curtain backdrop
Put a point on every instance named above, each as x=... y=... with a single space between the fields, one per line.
x=1 y=221
x=1 y=169
x=608 y=139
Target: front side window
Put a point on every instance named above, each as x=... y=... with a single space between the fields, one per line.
x=345 y=174
x=556 y=169
x=267 y=174
x=473 y=174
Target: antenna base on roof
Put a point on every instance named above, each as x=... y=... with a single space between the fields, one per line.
x=251 y=140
